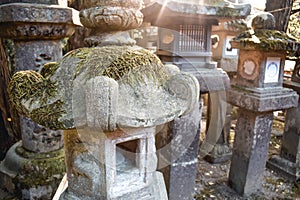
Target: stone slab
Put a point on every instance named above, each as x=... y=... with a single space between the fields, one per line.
x=49 y=2
x=284 y=167
x=35 y=13
x=263 y=100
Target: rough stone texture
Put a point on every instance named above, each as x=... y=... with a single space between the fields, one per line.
x=102 y=100
x=32 y=21
x=287 y=164
x=32 y=175
x=31 y=55
x=124 y=167
x=146 y=104
x=254 y=75
x=39 y=139
x=177 y=144
x=262 y=100
x=250 y=151
x=49 y=2
x=194 y=8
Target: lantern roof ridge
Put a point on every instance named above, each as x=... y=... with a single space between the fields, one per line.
x=218 y=8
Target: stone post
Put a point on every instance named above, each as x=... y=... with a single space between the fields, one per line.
x=288 y=162
x=34 y=166
x=258 y=92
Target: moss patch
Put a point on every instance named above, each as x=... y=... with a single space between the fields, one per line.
x=263 y=39
x=41 y=169
x=119 y=61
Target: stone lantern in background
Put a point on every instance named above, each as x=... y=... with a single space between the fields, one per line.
x=34 y=166
x=184 y=39
x=257 y=92
x=223 y=53
x=288 y=162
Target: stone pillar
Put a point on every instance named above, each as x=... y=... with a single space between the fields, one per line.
x=33 y=167
x=258 y=92
x=287 y=163
x=250 y=149
x=178 y=145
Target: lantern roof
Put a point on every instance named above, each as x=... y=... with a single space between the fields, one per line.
x=159 y=10
x=263 y=37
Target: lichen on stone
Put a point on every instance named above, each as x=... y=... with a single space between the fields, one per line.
x=41 y=169
x=263 y=39
x=118 y=61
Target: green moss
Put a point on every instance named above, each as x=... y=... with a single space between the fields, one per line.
x=227 y=12
x=30 y=87
x=119 y=61
x=263 y=39
x=49 y=115
x=49 y=69
x=41 y=169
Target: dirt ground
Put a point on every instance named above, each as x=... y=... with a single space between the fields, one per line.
x=211 y=182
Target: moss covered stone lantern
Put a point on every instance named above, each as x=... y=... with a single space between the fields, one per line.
x=257 y=92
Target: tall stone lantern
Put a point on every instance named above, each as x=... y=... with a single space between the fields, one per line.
x=184 y=39
x=34 y=166
x=108 y=99
x=258 y=92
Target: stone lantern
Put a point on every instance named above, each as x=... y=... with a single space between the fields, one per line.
x=223 y=53
x=108 y=99
x=258 y=92
x=34 y=166
x=184 y=39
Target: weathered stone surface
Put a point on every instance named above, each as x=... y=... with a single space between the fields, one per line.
x=32 y=175
x=111 y=18
x=258 y=92
x=194 y=8
x=146 y=104
x=263 y=21
x=49 y=2
x=263 y=100
x=32 y=21
x=119 y=169
x=287 y=163
x=39 y=139
x=178 y=144
x=210 y=80
x=250 y=151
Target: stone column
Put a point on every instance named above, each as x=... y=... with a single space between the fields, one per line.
x=178 y=145
x=287 y=163
x=33 y=167
x=258 y=92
